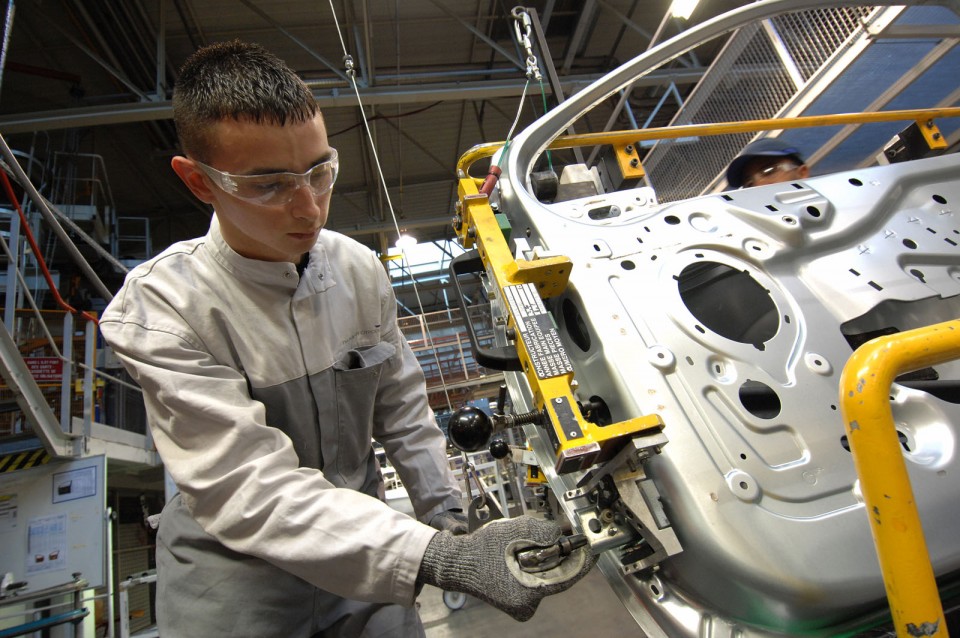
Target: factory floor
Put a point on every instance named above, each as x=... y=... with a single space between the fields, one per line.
x=589 y=608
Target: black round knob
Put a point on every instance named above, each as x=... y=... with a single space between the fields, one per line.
x=469 y=428
x=499 y=448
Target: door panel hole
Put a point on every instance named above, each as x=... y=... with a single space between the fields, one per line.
x=729 y=302
x=759 y=399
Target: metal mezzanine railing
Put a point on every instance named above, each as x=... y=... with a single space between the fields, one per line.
x=49 y=362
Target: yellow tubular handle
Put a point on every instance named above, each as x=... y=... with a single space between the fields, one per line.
x=884 y=482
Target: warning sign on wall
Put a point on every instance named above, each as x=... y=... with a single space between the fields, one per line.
x=45 y=369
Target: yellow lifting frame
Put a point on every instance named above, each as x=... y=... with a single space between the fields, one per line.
x=578 y=444
x=884 y=482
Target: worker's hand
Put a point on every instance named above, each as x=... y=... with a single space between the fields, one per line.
x=483 y=564
x=452 y=520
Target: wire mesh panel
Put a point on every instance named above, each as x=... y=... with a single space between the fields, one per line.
x=813 y=37
x=751 y=79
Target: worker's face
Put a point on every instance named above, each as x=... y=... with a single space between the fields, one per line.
x=269 y=231
x=773 y=170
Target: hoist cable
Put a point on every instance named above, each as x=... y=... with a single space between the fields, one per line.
x=351 y=73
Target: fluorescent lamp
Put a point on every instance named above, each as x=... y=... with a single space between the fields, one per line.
x=683 y=8
x=406 y=241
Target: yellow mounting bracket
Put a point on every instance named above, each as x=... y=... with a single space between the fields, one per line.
x=629 y=161
x=931 y=134
x=523 y=284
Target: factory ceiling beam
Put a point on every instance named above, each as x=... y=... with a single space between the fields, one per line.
x=452 y=91
x=276 y=25
x=587 y=17
x=490 y=42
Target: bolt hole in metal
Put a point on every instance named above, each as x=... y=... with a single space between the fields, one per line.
x=940 y=199
x=743 y=486
x=909 y=243
x=855 y=181
x=813 y=211
x=818 y=363
x=721 y=370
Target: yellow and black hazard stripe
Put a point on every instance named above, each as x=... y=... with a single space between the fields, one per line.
x=23 y=460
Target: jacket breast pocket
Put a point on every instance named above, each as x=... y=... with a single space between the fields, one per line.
x=357 y=377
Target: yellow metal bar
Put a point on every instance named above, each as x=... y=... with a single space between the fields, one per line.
x=722 y=128
x=884 y=482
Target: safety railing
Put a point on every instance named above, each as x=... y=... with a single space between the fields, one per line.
x=887 y=494
x=925 y=119
x=54 y=386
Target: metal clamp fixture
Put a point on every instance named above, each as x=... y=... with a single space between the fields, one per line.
x=523 y=284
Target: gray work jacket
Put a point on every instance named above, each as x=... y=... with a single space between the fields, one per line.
x=264 y=389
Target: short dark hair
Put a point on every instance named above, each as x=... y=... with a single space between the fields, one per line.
x=235 y=80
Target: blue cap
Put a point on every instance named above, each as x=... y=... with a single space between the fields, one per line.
x=767 y=146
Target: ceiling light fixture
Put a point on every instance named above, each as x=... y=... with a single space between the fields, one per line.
x=406 y=241
x=683 y=8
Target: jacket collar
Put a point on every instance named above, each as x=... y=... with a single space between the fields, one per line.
x=317 y=276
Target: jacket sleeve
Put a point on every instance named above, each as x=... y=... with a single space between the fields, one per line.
x=405 y=425
x=240 y=478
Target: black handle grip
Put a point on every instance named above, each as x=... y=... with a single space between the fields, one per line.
x=496 y=357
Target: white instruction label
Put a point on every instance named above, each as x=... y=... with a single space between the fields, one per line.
x=536 y=328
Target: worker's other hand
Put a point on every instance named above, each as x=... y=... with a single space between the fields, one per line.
x=483 y=564
x=452 y=520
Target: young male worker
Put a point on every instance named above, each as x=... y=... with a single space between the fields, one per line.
x=766 y=161
x=269 y=358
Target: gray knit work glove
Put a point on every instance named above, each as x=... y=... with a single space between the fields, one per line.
x=483 y=564
x=452 y=520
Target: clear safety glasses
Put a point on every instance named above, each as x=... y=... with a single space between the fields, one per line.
x=768 y=172
x=275 y=189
